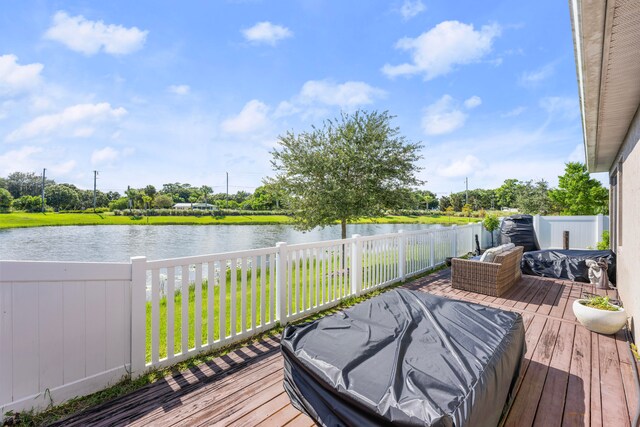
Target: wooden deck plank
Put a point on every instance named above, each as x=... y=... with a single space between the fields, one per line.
x=558 y=309
x=523 y=410
x=555 y=386
x=282 y=417
x=596 y=397
x=616 y=412
x=300 y=421
x=627 y=372
x=539 y=296
x=228 y=392
x=262 y=413
x=569 y=375
x=577 y=408
x=551 y=299
x=238 y=404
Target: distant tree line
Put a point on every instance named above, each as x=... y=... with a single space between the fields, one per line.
x=577 y=194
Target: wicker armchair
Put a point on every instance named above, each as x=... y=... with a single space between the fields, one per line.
x=488 y=278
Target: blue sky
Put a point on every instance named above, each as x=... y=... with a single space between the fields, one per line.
x=152 y=92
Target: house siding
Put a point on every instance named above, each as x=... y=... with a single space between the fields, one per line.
x=626 y=225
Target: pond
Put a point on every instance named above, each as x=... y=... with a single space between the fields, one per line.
x=117 y=243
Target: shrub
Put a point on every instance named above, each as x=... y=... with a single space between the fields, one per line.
x=604 y=244
x=28 y=203
x=6 y=200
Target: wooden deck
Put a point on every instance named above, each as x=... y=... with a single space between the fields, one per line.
x=570 y=376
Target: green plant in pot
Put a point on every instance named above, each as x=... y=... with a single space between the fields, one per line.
x=598 y=314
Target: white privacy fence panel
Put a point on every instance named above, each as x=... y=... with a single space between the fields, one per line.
x=64 y=330
x=584 y=231
x=70 y=329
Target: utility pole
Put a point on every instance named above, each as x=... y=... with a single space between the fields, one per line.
x=43 y=179
x=226 y=200
x=466 y=191
x=95 y=177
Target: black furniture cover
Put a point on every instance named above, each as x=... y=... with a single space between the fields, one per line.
x=518 y=229
x=566 y=264
x=407 y=358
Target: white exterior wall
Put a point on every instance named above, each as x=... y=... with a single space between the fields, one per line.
x=628 y=253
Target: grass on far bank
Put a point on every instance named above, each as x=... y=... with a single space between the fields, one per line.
x=22 y=220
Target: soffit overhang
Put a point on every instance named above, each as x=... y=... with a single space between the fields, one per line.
x=606 y=36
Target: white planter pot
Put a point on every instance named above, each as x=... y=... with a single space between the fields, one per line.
x=601 y=321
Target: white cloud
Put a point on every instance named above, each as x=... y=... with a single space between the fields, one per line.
x=473 y=102
x=411 y=8
x=445 y=115
x=89 y=37
x=77 y=121
x=15 y=78
x=63 y=168
x=514 y=113
x=267 y=33
x=577 y=155
x=105 y=155
x=345 y=95
x=532 y=78
x=462 y=167
x=437 y=51
x=179 y=89
x=252 y=118
x=561 y=107
x=18 y=160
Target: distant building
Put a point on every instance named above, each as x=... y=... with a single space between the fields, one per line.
x=200 y=206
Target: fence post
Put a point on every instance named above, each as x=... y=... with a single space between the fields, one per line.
x=536 y=224
x=138 y=315
x=281 y=283
x=432 y=249
x=599 y=228
x=402 y=256
x=356 y=265
x=454 y=241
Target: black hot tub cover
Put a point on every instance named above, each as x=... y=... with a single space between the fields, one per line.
x=407 y=358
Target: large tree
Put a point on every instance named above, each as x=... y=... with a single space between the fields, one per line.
x=533 y=198
x=61 y=196
x=578 y=193
x=506 y=194
x=355 y=166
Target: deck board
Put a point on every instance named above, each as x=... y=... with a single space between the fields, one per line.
x=569 y=377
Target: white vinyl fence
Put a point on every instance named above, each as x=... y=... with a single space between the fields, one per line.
x=584 y=231
x=70 y=329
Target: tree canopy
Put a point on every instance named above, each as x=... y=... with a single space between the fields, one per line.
x=355 y=166
x=578 y=193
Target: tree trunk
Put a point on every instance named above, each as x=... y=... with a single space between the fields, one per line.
x=343 y=223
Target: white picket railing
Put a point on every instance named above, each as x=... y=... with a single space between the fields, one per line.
x=255 y=290
x=69 y=329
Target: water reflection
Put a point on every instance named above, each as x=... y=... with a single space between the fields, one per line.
x=119 y=243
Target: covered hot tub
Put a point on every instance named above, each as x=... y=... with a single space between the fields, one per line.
x=407 y=358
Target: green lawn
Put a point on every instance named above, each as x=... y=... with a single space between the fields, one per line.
x=313 y=282
x=21 y=219
x=303 y=277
